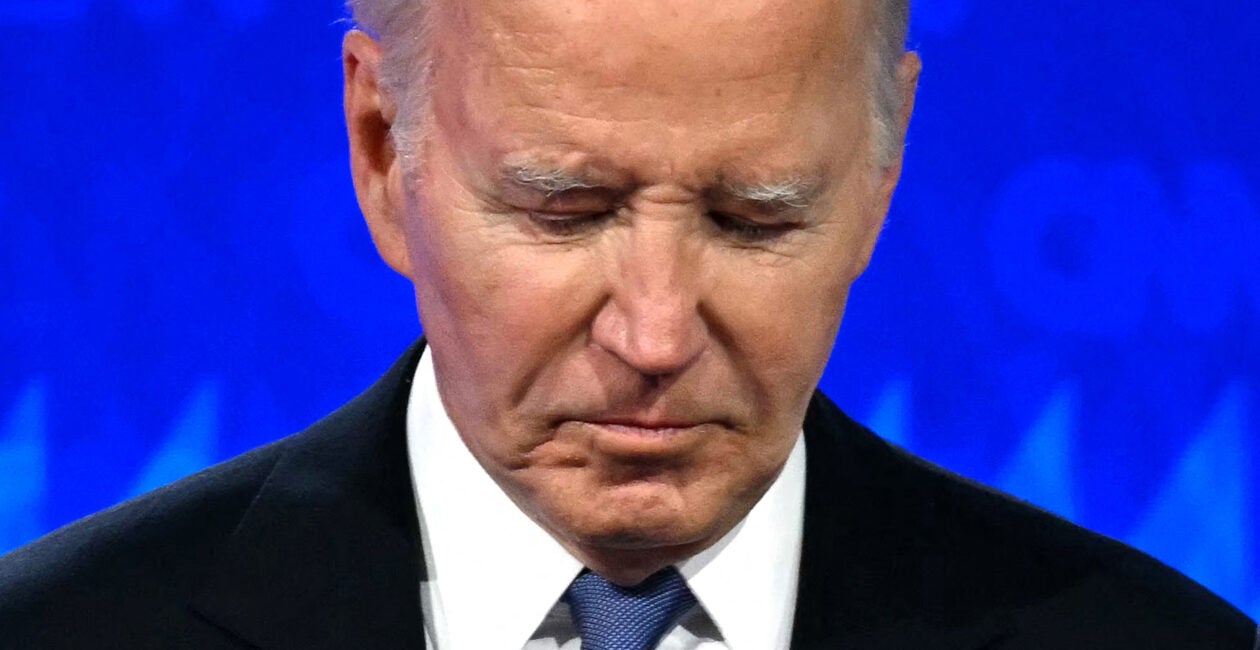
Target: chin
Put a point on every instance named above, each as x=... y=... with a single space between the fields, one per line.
x=640 y=517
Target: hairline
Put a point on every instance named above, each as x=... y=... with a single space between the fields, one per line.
x=404 y=61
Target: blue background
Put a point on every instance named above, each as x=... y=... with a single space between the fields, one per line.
x=1065 y=303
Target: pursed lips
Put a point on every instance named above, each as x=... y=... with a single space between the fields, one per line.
x=647 y=425
x=645 y=437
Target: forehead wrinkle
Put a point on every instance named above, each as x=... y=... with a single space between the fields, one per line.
x=653 y=51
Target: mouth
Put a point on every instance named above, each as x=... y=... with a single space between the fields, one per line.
x=645 y=438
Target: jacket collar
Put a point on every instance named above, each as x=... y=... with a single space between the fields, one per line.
x=873 y=572
x=328 y=554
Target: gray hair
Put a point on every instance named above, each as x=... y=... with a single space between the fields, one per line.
x=392 y=23
x=888 y=45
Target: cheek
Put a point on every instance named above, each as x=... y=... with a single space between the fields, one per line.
x=498 y=312
x=479 y=269
x=781 y=323
x=513 y=298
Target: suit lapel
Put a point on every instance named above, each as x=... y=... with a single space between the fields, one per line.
x=871 y=572
x=328 y=554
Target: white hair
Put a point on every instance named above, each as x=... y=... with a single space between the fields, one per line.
x=791 y=192
x=405 y=69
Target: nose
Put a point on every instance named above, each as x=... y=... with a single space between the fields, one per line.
x=652 y=320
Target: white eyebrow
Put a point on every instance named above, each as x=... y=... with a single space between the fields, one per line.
x=795 y=192
x=548 y=180
x=790 y=193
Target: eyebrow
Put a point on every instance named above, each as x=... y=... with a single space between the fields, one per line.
x=795 y=192
x=548 y=180
x=792 y=193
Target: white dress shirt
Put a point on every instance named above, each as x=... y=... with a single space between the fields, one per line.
x=494 y=578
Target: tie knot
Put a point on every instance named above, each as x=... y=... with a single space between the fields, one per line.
x=609 y=617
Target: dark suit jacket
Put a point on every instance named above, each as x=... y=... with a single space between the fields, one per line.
x=311 y=542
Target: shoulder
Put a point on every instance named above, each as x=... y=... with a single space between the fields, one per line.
x=1057 y=582
x=975 y=554
x=131 y=560
x=130 y=576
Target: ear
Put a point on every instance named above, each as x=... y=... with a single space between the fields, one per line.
x=378 y=178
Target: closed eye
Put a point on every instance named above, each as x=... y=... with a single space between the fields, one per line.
x=743 y=230
x=747 y=231
x=567 y=224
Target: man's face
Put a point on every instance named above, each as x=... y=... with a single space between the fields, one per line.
x=632 y=233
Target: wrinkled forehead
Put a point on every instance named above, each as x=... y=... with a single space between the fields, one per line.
x=667 y=42
x=671 y=89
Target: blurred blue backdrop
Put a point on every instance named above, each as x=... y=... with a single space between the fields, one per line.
x=1065 y=303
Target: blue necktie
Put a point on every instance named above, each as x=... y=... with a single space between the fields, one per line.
x=609 y=617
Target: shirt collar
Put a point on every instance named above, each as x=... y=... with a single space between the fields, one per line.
x=747 y=581
x=493 y=574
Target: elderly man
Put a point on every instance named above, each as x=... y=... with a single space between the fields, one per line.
x=632 y=229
